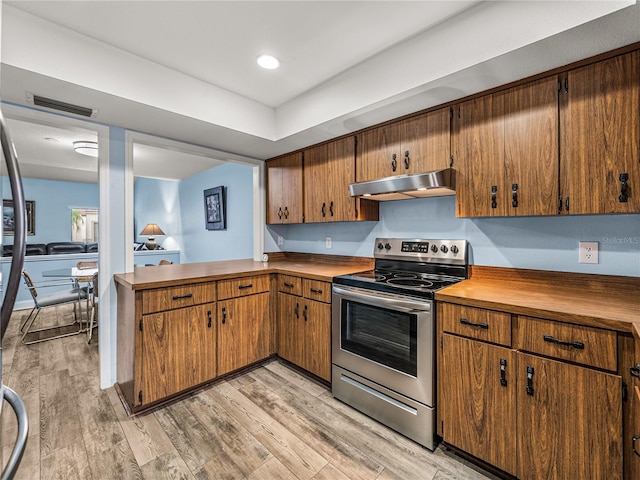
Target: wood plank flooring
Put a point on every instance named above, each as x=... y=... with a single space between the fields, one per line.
x=269 y=423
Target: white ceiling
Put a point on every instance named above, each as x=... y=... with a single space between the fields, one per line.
x=186 y=70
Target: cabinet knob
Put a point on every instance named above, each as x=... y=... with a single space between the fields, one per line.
x=503 y=372
x=623 y=187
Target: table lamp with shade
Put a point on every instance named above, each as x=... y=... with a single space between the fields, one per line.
x=151 y=230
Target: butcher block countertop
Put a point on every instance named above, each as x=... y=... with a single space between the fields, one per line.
x=317 y=267
x=603 y=301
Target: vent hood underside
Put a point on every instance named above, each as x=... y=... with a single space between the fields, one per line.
x=401 y=187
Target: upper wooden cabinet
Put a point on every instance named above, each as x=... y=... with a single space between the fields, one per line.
x=284 y=189
x=328 y=171
x=416 y=145
x=600 y=148
x=506 y=152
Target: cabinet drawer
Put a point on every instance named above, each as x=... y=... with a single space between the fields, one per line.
x=586 y=345
x=240 y=287
x=162 y=299
x=290 y=284
x=479 y=323
x=317 y=290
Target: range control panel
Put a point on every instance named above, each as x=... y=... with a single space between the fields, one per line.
x=421 y=250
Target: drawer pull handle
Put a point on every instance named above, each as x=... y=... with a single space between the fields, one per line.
x=242 y=287
x=635 y=371
x=574 y=344
x=494 y=194
x=503 y=372
x=316 y=290
x=182 y=297
x=224 y=315
x=624 y=188
x=406 y=160
x=394 y=163
x=484 y=325
x=209 y=315
x=633 y=444
x=529 y=380
x=324 y=209
x=289 y=285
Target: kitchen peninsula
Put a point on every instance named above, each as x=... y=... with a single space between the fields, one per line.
x=181 y=326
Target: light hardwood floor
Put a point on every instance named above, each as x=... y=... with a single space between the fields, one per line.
x=268 y=423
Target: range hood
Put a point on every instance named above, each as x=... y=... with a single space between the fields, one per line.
x=401 y=187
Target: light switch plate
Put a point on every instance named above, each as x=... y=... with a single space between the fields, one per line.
x=327 y=242
x=588 y=252
x=280 y=240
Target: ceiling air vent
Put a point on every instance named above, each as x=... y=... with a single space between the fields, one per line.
x=40 y=101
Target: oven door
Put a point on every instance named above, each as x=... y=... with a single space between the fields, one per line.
x=385 y=338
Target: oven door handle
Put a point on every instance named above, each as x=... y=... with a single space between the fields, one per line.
x=381 y=299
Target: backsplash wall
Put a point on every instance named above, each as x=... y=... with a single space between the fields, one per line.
x=541 y=243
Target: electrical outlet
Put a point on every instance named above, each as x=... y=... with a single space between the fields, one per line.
x=588 y=252
x=327 y=242
x=280 y=240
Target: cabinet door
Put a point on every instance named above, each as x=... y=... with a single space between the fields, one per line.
x=531 y=149
x=380 y=154
x=632 y=433
x=317 y=339
x=290 y=326
x=427 y=140
x=178 y=350
x=600 y=122
x=478 y=408
x=244 y=332
x=341 y=173
x=479 y=157
x=569 y=421
x=284 y=189
x=317 y=184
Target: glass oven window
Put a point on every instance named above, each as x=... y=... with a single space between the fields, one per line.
x=382 y=335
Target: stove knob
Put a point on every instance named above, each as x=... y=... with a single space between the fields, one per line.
x=387 y=246
x=454 y=249
x=380 y=246
x=444 y=249
x=434 y=248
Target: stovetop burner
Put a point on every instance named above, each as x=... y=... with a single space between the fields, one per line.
x=412 y=267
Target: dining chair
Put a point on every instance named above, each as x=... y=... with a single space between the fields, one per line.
x=87 y=280
x=164 y=261
x=72 y=295
x=94 y=298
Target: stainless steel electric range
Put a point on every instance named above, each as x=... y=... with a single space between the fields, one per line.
x=383 y=332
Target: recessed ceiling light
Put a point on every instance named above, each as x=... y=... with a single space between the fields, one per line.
x=268 y=61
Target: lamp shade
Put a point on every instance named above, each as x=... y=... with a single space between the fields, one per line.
x=151 y=230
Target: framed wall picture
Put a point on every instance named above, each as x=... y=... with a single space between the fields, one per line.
x=8 y=217
x=215 y=215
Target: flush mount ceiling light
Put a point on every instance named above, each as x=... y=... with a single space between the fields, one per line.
x=268 y=61
x=86 y=148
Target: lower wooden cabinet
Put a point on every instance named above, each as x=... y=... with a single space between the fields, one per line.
x=244 y=331
x=479 y=400
x=542 y=407
x=569 y=421
x=178 y=351
x=304 y=326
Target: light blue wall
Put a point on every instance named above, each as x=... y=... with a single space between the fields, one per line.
x=236 y=242
x=54 y=200
x=542 y=243
x=157 y=201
